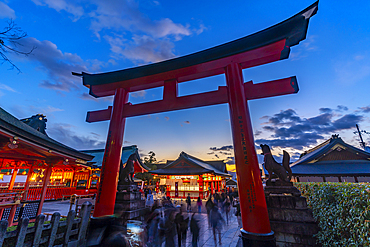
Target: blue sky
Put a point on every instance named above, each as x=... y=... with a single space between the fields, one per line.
x=332 y=67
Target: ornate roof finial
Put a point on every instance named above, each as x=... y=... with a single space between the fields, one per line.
x=38 y=122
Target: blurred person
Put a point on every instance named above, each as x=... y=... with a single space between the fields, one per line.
x=217 y=223
x=153 y=228
x=188 y=203
x=227 y=206
x=194 y=229
x=199 y=204
x=182 y=224
x=209 y=206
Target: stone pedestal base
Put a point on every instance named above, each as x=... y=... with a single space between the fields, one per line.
x=132 y=204
x=250 y=239
x=290 y=219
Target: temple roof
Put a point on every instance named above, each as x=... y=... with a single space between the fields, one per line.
x=126 y=153
x=190 y=165
x=32 y=142
x=333 y=157
x=292 y=30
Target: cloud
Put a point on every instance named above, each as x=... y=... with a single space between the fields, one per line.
x=125 y=15
x=139 y=94
x=86 y=96
x=304 y=50
x=325 y=110
x=365 y=109
x=6 y=88
x=69 y=6
x=201 y=29
x=141 y=48
x=230 y=160
x=56 y=64
x=342 y=108
x=65 y=134
x=223 y=148
x=288 y=130
x=6 y=11
x=351 y=70
x=130 y=33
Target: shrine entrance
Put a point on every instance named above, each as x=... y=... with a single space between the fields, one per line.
x=269 y=45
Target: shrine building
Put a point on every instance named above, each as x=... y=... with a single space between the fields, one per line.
x=332 y=161
x=190 y=175
x=38 y=167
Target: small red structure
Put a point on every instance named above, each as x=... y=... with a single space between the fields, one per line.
x=49 y=169
x=269 y=45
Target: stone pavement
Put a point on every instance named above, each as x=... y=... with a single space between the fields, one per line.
x=229 y=236
x=57 y=206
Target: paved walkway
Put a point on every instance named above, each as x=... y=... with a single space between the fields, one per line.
x=229 y=236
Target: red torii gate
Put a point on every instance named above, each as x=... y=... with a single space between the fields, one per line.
x=266 y=46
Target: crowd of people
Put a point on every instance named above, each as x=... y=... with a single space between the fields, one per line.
x=168 y=224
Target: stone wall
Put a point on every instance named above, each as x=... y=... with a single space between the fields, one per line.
x=291 y=220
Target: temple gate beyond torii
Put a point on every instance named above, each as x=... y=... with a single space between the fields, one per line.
x=266 y=46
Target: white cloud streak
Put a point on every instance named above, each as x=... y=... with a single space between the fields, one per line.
x=130 y=33
x=56 y=64
x=6 y=11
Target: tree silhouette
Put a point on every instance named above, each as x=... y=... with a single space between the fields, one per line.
x=150 y=163
x=10 y=43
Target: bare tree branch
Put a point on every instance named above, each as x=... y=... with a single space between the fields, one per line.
x=10 y=43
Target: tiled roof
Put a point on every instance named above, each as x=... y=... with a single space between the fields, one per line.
x=333 y=157
x=199 y=167
x=126 y=153
x=12 y=125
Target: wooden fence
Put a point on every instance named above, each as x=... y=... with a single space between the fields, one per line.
x=52 y=193
x=68 y=233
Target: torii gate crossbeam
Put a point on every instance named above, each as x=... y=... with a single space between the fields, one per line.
x=266 y=46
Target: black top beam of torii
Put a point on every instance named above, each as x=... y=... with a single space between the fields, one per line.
x=292 y=30
x=269 y=45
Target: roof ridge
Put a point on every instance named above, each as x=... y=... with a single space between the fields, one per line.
x=315 y=148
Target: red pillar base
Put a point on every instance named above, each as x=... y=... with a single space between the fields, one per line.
x=250 y=239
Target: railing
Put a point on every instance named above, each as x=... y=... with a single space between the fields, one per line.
x=52 y=193
x=57 y=233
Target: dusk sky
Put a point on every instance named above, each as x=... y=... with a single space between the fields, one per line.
x=332 y=67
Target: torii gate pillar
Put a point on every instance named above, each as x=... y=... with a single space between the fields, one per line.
x=253 y=207
x=112 y=156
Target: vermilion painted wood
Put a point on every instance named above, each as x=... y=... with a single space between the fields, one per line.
x=112 y=156
x=44 y=188
x=263 y=55
x=252 y=197
x=12 y=179
x=271 y=88
x=171 y=103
